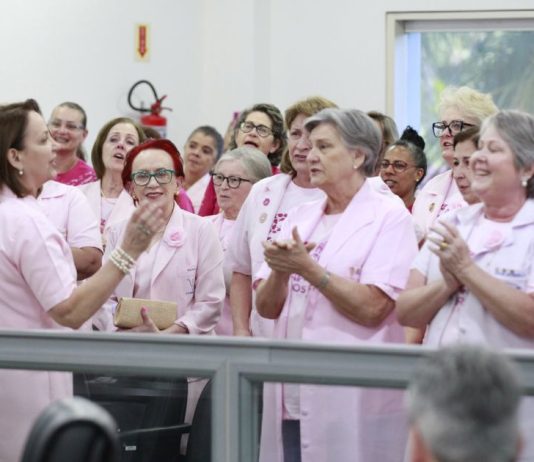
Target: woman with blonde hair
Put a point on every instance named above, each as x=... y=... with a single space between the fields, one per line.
x=459 y=109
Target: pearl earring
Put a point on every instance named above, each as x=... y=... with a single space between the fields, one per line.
x=21 y=172
x=524 y=182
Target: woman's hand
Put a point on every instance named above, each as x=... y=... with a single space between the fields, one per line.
x=289 y=256
x=452 y=251
x=147 y=325
x=146 y=220
x=452 y=283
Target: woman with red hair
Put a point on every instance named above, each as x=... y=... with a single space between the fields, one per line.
x=183 y=263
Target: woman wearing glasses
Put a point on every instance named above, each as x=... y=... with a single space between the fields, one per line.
x=473 y=281
x=404 y=166
x=261 y=127
x=37 y=273
x=68 y=126
x=459 y=109
x=233 y=176
x=184 y=260
x=264 y=211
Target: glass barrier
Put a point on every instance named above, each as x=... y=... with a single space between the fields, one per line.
x=155 y=418
x=332 y=422
x=141 y=380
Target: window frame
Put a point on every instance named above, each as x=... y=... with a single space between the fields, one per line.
x=399 y=24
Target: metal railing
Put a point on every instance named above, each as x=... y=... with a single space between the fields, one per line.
x=236 y=366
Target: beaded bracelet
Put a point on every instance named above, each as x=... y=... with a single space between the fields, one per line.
x=125 y=256
x=122 y=260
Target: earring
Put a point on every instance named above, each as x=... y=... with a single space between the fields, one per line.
x=21 y=172
x=524 y=182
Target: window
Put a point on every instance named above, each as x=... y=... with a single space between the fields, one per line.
x=490 y=51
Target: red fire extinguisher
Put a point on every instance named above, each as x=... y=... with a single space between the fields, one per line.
x=154 y=120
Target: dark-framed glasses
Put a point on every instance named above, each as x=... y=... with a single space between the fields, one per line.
x=261 y=130
x=398 y=166
x=56 y=124
x=162 y=176
x=233 y=181
x=455 y=126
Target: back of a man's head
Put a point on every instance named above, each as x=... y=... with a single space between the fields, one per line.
x=463 y=406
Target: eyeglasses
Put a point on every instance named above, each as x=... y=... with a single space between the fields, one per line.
x=261 y=130
x=455 y=126
x=233 y=181
x=399 y=166
x=69 y=126
x=162 y=176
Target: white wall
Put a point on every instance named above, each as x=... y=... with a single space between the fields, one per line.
x=57 y=50
x=210 y=56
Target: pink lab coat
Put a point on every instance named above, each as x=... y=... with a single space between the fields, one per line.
x=245 y=250
x=122 y=210
x=372 y=243
x=225 y=325
x=463 y=319
x=70 y=212
x=188 y=270
x=440 y=195
x=36 y=273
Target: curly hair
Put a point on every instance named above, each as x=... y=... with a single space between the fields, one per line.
x=278 y=128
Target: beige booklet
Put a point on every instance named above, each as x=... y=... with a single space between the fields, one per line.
x=128 y=312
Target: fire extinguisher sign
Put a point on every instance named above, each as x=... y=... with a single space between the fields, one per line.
x=142 y=42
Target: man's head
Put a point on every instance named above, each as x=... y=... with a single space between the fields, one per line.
x=463 y=407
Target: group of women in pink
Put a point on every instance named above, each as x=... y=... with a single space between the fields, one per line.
x=305 y=242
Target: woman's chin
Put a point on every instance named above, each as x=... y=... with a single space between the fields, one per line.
x=52 y=174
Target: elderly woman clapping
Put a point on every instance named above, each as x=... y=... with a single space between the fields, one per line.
x=332 y=277
x=474 y=280
x=233 y=177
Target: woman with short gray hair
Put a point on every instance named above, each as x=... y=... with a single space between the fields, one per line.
x=463 y=405
x=473 y=280
x=233 y=176
x=332 y=277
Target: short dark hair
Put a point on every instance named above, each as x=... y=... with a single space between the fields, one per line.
x=13 y=125
x=208 y=130
x=415 y=145
x=278 y=128
x=470 y=134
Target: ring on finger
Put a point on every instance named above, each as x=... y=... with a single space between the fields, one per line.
x=443 y=245
x=144 y=230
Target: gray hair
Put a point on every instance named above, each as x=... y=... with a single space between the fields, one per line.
x=357 y=131
x=517 y=129
x=464 y=402
x=256 y=163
